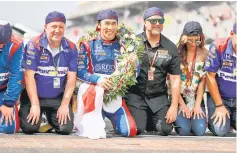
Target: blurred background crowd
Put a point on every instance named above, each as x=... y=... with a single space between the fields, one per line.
x=216 y=17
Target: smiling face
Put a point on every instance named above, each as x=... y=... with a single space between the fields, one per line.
x=55 y=31
x=154 y=24
x=108 y=29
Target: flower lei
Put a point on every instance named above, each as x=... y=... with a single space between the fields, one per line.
x=123 y=77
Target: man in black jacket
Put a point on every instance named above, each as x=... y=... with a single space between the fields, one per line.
x=149 y=95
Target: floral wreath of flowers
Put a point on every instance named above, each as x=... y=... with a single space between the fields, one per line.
x=124 y=76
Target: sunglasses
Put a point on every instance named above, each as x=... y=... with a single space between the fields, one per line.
x=194 y=42
x=154 y=21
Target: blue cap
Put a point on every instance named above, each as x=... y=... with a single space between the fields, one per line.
x=55 y=16
x=234 y=28
x=192 y=28
x=153 y=11
x=5 y=32
x=107 y=14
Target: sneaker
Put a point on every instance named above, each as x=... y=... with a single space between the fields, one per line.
x=45 y=127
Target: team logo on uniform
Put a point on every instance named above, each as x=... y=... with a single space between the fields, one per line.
x=28 y=62
x=227 y=64
x=81 y=63
x=162 y=53
x=98 y=47
x=227 y=76
x=44 y=58
x=19 y=82
x=207 y=64
x=4 y=76
x=81 y=56
x=228 y=56
x=30 y=52
x=81 y=66
x=50 y=71
x=101 y=53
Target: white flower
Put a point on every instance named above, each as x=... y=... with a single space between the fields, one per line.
x=137 y=43
x=116 y=72
x=133 y=36
x=126 y=36
x=130 y=48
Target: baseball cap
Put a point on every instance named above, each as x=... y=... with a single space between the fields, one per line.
x=55 y=16
x=192 y=28
x=107 y=14
x=5 y=32
x=153 y=11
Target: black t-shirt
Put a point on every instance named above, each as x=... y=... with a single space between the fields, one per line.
x=167 y=61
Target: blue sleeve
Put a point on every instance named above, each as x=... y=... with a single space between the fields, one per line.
x=30 y=57
x=213 y=61
x=74 y=59
x=83 y=67
x=15 y=79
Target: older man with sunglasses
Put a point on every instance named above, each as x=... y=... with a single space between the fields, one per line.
x=148 y=99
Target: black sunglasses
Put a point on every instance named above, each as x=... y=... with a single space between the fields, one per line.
x=154 y=21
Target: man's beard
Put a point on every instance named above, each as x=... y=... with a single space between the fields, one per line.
x=155 y=31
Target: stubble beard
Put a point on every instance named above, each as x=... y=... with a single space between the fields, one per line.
x=155 y=31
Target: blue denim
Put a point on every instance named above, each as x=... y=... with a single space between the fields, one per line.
x=184 y=126
x=10 y=129
x=230 y=105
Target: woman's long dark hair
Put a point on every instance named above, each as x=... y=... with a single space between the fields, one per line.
x=182 y=47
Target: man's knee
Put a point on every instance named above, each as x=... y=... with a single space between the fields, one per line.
x=128 y=132
x=163 y=128
x=140 y=129
x=26 y=127
x=166 y=130
x=233 y=122
x=10 y=129
x=65 y=129
x=29 y=129
x=124 y=132
x=219 y=131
